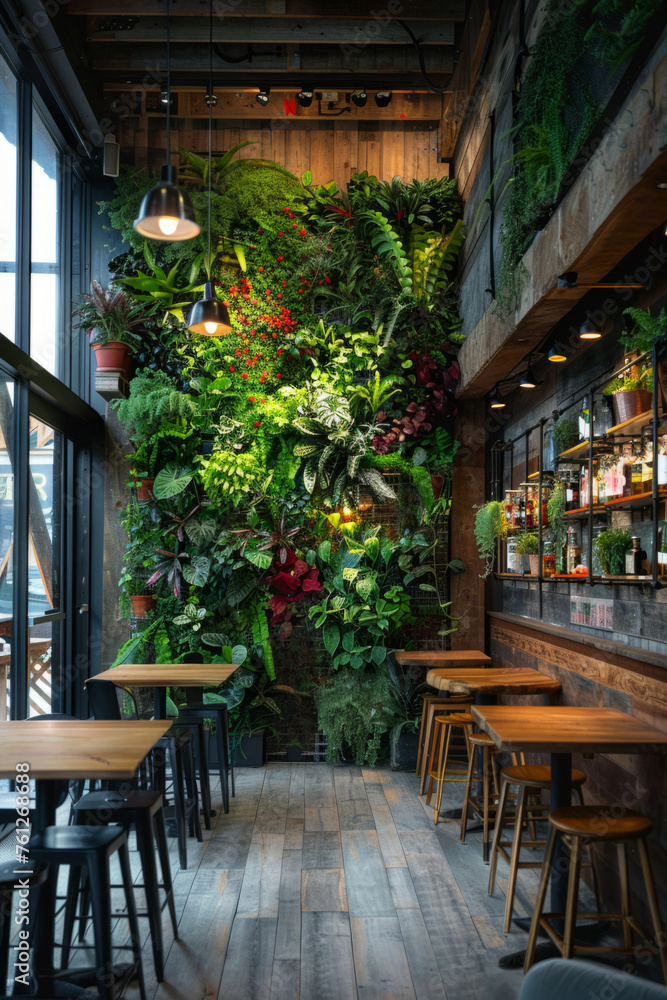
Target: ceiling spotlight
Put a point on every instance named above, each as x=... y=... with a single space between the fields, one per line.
x=359 y=97
x=263 y=96
x=589 y=330
x=557 y=354
x=164 y=97
x=383 y=98
x=304 y=98
x=528 y=380
x=496 y=403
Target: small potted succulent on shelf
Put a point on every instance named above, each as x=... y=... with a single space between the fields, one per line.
x=109 y=318
x=528 y=545
x=646 y=333
x=141 y=600
x=610 y=547
x=565 y=434
x=631 y=392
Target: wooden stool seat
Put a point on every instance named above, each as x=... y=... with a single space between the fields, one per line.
x=536 y=775
x=482 y=740
x=456 y=717
x=595 y=823
x=582 y=825
x=433 y=704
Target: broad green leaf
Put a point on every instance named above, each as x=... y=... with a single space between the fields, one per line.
x=171 y=481
x=348 y=641
x=457 y=566
x=324 y=551
x=372 y=546
x=331 y=637
x=239 y=654
x=379 y=654
x=306 y=178
x=240 y=256
x=311 y=556
x=419 y=456
x=356 y=662
x=262 y=560
x=366 y=585
x=196 y=572
x=428 y=587
x=214 y=639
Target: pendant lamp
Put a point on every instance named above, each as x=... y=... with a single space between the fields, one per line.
x=166 y=212
x=209 y=315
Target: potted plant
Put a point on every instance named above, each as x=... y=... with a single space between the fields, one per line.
x=647 y=332
x=565 y=434
x=108 y=317
x=490 y=524
x=610 y=547
x=141 y=600
x=528 y=545
x=403 y=708
x=631 y=392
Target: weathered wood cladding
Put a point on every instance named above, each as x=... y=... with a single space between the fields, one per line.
x=330 y=150
x=598 y=677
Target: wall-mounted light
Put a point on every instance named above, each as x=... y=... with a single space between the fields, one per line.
x=359 y=97
x=589 y=330
x=304 y=98
x=383 y=98
x=166 y=212
x=528 y=380
x=263 y=96
x=557 y=354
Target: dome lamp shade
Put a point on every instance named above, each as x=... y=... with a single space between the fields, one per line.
x=209 y=316
x=166 y=212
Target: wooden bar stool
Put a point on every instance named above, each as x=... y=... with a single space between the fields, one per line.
x=531 y=779
x=438 y=770
x=434 y=704
x=488 y=748
x=584 y=825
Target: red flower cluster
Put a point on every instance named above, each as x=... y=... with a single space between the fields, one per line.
x=292 y=581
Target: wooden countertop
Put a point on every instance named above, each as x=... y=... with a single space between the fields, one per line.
x=442 y=658
x=566 y=729
x=63 y=749
x=168 y=674
x=492 y=680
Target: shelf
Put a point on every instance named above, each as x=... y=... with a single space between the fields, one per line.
x=630 y=503
x=568 y=576
x=582 y=512
x=626 y=429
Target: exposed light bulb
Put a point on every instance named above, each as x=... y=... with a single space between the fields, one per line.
x=346 y=511
x=210 y=327
x=167 y=225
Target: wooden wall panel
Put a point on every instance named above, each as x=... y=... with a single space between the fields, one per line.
x=331 y=150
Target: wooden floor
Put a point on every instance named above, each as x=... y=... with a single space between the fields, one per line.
x=332 y=883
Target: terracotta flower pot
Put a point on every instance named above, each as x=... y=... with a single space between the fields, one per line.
x=630 y=404
x=142 y=604
x=145 y=488
x=113 y=357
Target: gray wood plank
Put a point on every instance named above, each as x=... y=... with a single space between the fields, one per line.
x=288 y=936
x=229 y=846
x=290 y=877
x=321 y=849
x=368 y=892
x=323 y=889
x=194 y=964
x=249 y=960
x=295 y=808
x=380 y=961
x=261 y=881
x=321 y=818
x=327 y=965
x=390 y=843
x=426 y=977
x=404 y=804
x=272 y=808
x=293 y=834
x=285 y=981
x=354 y=811
x=402 y=889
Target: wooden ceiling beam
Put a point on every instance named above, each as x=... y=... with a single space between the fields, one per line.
x=289 y=31
x=383 y=61
x=364 y=10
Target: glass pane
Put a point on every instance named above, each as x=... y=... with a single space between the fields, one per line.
x=45 y=249
x=6 y=540
x=8 y=188
x=44 y=552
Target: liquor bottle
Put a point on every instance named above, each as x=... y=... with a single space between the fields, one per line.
x=573 y=550
x=584 y=420
x=530 y=514
x=601 y=480
x=605 y=418
x=636 y=477
x=522 y=512
x=662 y=549
x=634 y=558
x=572 y=489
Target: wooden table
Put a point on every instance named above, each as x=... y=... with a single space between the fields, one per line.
x=160 y=676
x=492 y=680
x=561 y=731
x=61 y=749
x=442 y=658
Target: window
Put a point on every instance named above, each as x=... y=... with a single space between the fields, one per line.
x=8 y=126
x=45 y=329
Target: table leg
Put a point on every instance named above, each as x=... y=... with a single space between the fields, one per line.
x=43 y=940
x=160 y=702
x=561 y=796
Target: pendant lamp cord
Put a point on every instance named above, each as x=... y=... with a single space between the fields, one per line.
x=210 y=125
x=168 y=88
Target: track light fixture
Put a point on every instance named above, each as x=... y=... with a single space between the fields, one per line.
x=557 y=354
x=304 y=98
x=383 y=98
x=166 y=212
x=496 y=403
x=570 y=280
x=263 y=96
x=359 y=97
x=589 y=330
x=528 y=380
x=209 y=316
x=165 y=97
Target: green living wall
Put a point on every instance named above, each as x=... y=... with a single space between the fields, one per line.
x=295 y=458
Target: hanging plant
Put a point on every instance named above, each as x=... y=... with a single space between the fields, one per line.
x=490 y=524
